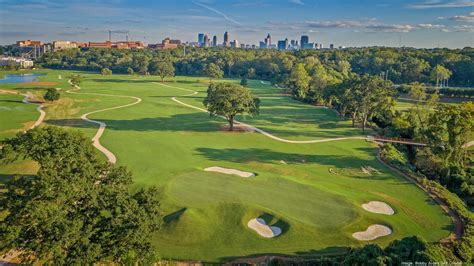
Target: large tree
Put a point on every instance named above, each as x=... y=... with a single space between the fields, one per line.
x=228 y=100
x=77 y=209
x=299 y=81
x=163 y=69
x=365 y=97
x=450 y=128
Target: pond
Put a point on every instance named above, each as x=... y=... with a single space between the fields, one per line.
x=20 y=78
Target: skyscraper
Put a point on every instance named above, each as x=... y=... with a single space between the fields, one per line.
x=226 y=39
x=304 y=41
x=201 y=38
x=283 y=45
x=268 y=40
x=214 y=41
x=206 y=41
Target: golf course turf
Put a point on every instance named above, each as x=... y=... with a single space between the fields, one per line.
x=169 y=145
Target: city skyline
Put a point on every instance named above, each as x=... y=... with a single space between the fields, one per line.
x=366 y=23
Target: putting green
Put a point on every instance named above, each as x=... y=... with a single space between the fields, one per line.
x=167 y=144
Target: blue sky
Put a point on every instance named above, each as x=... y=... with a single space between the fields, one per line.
x=423 y=23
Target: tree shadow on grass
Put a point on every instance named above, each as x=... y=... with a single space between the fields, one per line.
x=271 y=220
x=11 y=101
x=111 y=80
x=246 y=155
x=174 y=216
x=192 y=122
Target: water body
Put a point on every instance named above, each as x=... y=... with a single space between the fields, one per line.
x=20 y=78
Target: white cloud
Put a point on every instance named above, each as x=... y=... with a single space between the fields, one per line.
x=226 y=17
x=298 y=2
x=442 y=4
x=462 y=18
x=464 y=28
x=428 y=26
x=390 y=27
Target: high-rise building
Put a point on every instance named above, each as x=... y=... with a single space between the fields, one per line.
x=304 y=41
x=214 y=41
x=201 y=39
x=263 y=45
x=226 y=39
x=331 y=46
x=206 y=41
x=235 y=44
x=283 y=45
x=268 y=40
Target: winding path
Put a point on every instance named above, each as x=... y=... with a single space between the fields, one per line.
x=39 y=107
x=96 y=139
x=263 y=132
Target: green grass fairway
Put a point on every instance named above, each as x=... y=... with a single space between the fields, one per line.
x=15 y=116
x=206 y=214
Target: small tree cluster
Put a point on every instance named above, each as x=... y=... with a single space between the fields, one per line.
x=106 y=72
x=51 y=95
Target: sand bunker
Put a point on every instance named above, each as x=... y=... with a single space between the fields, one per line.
x=373 y=232
x=378 y=207
x=259 y=225
x=229 y=171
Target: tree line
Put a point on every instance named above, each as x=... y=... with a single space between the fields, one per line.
x=399 y=65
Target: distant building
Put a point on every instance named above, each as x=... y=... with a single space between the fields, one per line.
x=167 y=43
x=106 y=44
x=262 y=45
x=268 y=40
x=29 y=43
x=207 y=41
x=201 y=39
x=226 y=42
x=214 y=41
x=235 y=44
x=331 y=46
x=118 y=45
x=61 y=45
x=283 y=45
x=304 y=41
x=16 y=62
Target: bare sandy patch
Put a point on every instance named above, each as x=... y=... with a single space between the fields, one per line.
x=378 y=207
x=259 y=226
x=373 y=232
x=369 y=170
x=238 y=128
x=229 y=171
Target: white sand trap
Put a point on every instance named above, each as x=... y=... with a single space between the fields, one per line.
x=259 y=225
x=378 y=207
x=373 y=232
x=229 y=171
